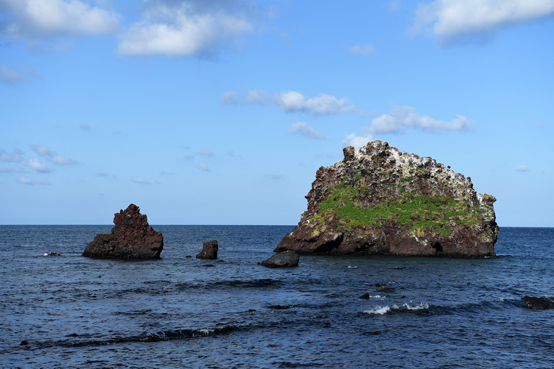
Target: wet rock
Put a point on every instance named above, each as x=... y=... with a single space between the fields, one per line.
x=209 y=250
x=188 y=256
x=52 y=254
x=380 y=201
x=387 y=290
x=131 y=238
x=279 y=307
x=424 y=313
x=376 y=333
x=365 y=296
x=283 y=259
x=24 y=342
x=541 y=303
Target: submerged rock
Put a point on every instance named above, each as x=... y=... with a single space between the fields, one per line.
x=380 y=201
x=283 y=259
x=424 y=313
x=131 y=238
x=541 y=303
x=279 y=307
x=52 y=254
x=209 y=250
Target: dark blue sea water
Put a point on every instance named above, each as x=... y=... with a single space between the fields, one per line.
x=175 y=312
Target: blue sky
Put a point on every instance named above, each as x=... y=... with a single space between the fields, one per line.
x=220 y=112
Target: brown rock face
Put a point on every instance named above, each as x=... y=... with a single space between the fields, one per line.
x=131 y=238
x=209 y=250
x=379 y=201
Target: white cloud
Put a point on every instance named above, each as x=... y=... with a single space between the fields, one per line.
x=292 y=101
x=402 y=117
x=42 y=150
x=522 y=168
x=14 y=158
x=448 y=19
x=38 y=166
x=27 y=181
x=203 y=166
x=58 y=159
x=140 y=180
x=16 y=169
x=42 y=19
x=24 y=180
x=356 y=141
x=7 y=75
x=256 y=96
x=52 y=156
x=305 y=130
x=10 y=76
x=362 y=50
x=181 y=31
x=206 y=152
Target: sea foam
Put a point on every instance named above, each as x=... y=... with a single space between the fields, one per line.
x=382 y=310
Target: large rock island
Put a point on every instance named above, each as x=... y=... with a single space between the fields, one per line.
x=131 y=238
x=380 y=201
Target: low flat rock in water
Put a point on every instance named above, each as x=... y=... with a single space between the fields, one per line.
x=380 y=201
x=541 y=303
x=283 y=259
x=131 y=238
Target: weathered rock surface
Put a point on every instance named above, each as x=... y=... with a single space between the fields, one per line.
x=380 y=201
x=209 y=250
x=541 y=303
x=283 y=259
x=131 y=238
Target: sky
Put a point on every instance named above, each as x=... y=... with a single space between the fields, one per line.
x=221 y=111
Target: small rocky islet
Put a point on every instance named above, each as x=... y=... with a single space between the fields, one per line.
x=380 y=201
x=131 y=238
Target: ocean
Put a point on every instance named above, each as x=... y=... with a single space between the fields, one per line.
x=69 y=311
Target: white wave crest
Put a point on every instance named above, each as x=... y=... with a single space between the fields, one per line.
x=382 y=310
x=378 y=310
x=421 y=306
